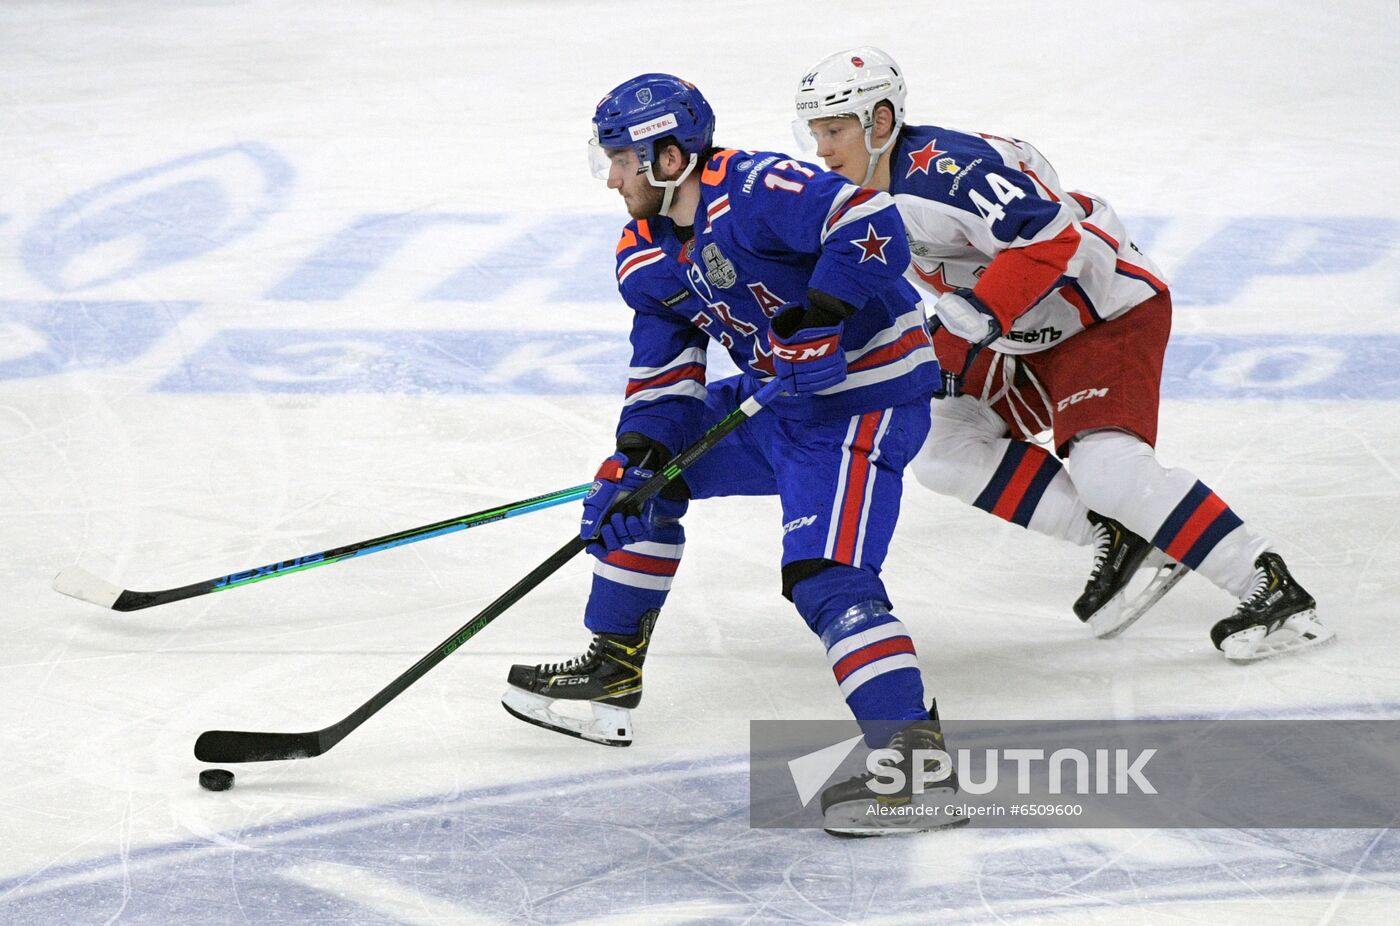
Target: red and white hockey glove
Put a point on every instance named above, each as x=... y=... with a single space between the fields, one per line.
x=966 y=316
x=956 y=352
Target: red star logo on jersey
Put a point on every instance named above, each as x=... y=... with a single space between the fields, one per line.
x=923 y=158
x=872 y=246
x=936 y=279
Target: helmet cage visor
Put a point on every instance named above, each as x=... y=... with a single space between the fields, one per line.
x=600 y=158
x=600 y=163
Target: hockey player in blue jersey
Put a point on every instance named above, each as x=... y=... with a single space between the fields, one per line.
x=1074 y=320
x=797 y=273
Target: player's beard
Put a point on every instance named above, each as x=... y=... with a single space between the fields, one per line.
x=645 y=202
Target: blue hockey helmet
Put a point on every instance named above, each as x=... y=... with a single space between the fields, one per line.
x=640 y=112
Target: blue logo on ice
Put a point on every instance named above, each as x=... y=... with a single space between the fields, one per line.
x=46 y=338
x=157 y=216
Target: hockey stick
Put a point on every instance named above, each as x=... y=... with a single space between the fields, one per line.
x=77 y=582
x=240 y=746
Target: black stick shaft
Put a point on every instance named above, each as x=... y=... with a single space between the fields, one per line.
x=241 y=746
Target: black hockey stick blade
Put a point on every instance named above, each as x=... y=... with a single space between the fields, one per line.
x=234 y=746
x=238 y=746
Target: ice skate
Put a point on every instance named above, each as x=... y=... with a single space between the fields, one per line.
x=590 y=696
x=1277 y=617
x=1112 y=600
x=853 y=808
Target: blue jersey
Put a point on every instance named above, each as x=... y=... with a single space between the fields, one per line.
x=768 y=228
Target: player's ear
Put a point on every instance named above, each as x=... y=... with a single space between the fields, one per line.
x=672 y=159
x=884 y=122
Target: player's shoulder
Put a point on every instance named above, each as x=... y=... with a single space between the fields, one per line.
x=951 y=167
x=739 y=174
x=640 y=246
x=932 y=158
x=723 y=168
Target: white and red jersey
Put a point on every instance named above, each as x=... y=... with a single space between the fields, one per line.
x=989 y=214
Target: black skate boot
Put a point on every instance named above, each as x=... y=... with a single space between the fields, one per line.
x=589 y=696
x=1106 y=605
x=854 y=808
x=1278 y=617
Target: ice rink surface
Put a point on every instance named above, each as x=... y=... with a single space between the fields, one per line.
x=279 y=277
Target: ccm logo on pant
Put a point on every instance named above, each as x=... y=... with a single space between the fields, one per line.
x=795 y=523
x=1080 y=396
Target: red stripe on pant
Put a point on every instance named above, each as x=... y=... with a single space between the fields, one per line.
x=1191 y=531
x=868 y=654
x=1018 y=483
x=856 y=474
x=640 y=562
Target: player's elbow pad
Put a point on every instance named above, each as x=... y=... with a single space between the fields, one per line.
x=641 y=450
x=825 y=310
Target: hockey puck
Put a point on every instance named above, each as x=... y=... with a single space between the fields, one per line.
x=216 y=779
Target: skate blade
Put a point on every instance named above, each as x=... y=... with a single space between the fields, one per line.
x=605 y=723
x=1120 y=613
x=859 y=819
x=1300 y=631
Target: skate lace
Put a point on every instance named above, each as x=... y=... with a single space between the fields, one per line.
x=1103 y=542
x=574 y=664
x=1259 y=592
x=906 y=739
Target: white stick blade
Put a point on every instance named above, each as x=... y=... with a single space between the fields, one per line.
x=77 y=582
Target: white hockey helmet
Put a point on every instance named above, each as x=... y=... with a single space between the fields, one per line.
x=851 y=83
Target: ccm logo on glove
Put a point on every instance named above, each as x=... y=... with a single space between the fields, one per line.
x=610 y=530
x=806 y=350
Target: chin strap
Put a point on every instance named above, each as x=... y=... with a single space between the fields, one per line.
x=670 y=185
x=876 y=152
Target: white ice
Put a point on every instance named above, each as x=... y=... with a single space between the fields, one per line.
x=279 y=277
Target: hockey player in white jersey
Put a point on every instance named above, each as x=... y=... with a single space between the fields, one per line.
x=1048 y=319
